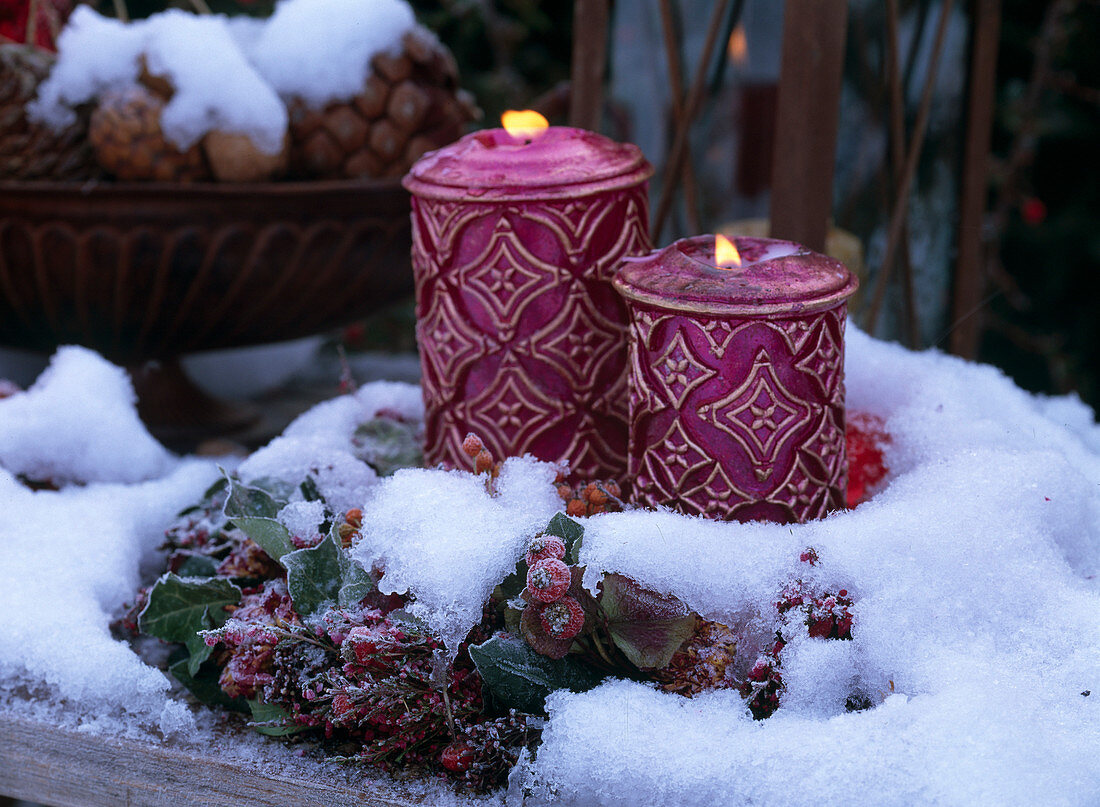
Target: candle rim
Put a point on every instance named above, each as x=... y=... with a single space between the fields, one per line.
x=670 y=279
x=467 y=165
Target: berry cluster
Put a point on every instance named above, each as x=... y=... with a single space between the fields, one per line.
x=484 y=463
x=552 y=616
x=590 y=498
x=825 y=615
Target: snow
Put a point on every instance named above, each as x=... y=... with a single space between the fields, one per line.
x=348 y=32
x=78 y=423
x=215 y=86
x=70 y=560
x=441 y=537
x=974 y=575
x=230 y=74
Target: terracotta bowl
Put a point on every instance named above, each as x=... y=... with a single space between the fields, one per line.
x=150 y=271
x=143 y=272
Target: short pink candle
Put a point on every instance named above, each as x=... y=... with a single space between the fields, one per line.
x=737 y=380
x=522 y=339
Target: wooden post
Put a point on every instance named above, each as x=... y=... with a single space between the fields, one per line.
x=589 y=59
x=969 y=286
x=807 y=114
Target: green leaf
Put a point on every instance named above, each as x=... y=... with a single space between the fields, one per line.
x=513 y=584
x=570 y=532
x=648 y=627
x=204 y=684
x=197 y=647
x=520 y=678
x=356 y=583
x=270 y=719
x=253 y=511
x=310 y=491
x=179 y=608
x=388 y=445
x=198 y=566
x=313 y=575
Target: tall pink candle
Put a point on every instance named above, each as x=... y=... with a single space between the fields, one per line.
x=522 y=339
x=737 y=380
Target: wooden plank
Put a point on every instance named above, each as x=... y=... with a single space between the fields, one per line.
x=969 y=287
x=66 y=768
x=590 y=19
x=807 y=114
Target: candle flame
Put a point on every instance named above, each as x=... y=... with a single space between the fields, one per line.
x=738 y=46
x=525 y=124
x=726 y=255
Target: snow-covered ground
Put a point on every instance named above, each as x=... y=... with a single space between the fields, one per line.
x=974 y=573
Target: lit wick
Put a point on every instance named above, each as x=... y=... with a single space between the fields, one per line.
x=726 y=255
x=524 y=124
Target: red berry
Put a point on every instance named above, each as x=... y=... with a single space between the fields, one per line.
x=821 y=628
x=865 y=437
x=563 y=619
x=809 y=555
x=544 y=546
x=483 y=461
x=1033 y=211
x=472 y=445
x=457 y=757
x=548 y=580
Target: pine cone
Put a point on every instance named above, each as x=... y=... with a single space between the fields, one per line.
x=410 y=103
x=125 y=132
x=31 y=150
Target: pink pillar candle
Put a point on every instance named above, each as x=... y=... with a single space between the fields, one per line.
x=737 y=380
x=522 y=338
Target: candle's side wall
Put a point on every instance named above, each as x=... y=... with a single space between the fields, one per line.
x=522 y=339
x=738 y=418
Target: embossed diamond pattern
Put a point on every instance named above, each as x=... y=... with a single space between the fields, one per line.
x=527 y=350
x=767 y=412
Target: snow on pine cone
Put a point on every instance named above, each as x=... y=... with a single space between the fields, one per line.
x=410 y=104
x=129 y=143
x=31 y=150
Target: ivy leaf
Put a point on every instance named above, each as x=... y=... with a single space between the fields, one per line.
x=387 y=445
x=253 y=511
x=520 y=678
x=648 y=627
x=313 y=576
x=178 y=608
x=271 y=719
x=198 y=566
x=356 y=583
x=197 y=647
x=570 y=533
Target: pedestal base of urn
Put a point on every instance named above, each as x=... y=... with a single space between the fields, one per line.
x=181 y=415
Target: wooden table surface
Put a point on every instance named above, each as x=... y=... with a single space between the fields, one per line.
x=66 y=768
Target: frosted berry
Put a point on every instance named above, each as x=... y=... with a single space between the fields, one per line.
x=563 y=619
x=544 y=546
x=548 y=580
x=595 y=494
x=472 y=445
x=457 y=757
x=354 y=517
x=483 y=462
x=809 y=555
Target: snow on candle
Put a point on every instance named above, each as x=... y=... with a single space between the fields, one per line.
x=522 y=340
x=736 y=386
